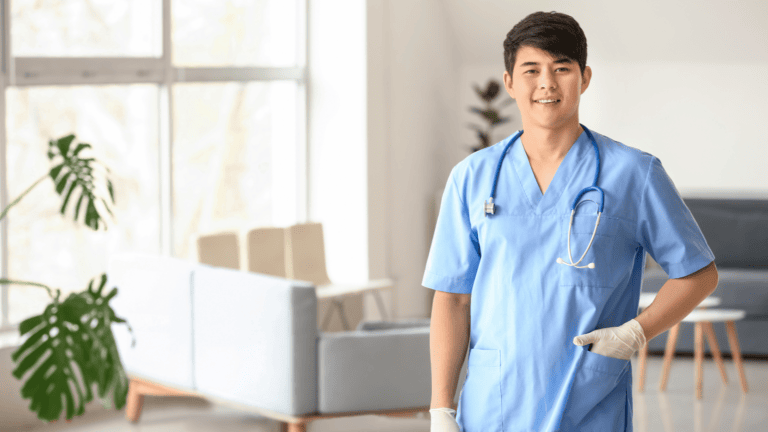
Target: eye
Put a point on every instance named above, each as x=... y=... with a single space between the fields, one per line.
x=531 y=70
x=563 y=68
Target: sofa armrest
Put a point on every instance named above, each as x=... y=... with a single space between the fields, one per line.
x=154 y=297
x=374 y=370
x=255 y=339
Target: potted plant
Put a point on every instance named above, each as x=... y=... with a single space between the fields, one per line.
x=490 y=114
x=69 y=349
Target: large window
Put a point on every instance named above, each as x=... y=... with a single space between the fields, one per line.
x=197 y=108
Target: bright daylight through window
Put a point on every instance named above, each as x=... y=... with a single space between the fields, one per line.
x=196 y=107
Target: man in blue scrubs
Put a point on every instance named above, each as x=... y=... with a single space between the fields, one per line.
x=549 y=343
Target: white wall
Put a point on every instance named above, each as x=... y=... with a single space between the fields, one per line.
x=696 y=96
x=337 y=133
x=383 y=97
x=413 y=80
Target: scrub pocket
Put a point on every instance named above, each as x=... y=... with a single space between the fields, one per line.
x=480 y=400
x=602 y=252
x=598 y=396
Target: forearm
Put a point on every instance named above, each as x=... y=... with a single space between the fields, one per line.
x=676 y=299
x=448 y=341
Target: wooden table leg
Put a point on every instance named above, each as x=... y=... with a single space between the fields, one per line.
x=736 y=353
x=698 y=354
x=642 y=357
x=709 y=332
x=669 y=353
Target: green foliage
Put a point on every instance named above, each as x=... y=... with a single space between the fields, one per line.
x=490 y=114
x=74 y=171
x=69 y=350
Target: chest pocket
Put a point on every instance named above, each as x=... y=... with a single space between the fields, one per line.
x=602 y=252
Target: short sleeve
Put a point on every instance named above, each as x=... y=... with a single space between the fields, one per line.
x=667 y=229
x=455 y=252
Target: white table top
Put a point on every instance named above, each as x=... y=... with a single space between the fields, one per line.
x=647 y=298
x=715 y=315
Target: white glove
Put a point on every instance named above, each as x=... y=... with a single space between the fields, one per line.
x=617 y=342
x=442 y=420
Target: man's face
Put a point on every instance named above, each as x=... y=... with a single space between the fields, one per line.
x=539 y=78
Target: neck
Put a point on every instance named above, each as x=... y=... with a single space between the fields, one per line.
x=545 y=145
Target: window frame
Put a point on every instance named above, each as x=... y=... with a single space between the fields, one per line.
x=73 y=71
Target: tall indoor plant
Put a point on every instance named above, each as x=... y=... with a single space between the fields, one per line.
x=490 y=114
x=69 y=348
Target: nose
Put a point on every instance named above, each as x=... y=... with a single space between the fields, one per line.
x=546 y=81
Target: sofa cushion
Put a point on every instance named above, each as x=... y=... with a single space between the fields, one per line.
x=374 y=370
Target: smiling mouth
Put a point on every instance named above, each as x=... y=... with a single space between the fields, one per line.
x=547 y=101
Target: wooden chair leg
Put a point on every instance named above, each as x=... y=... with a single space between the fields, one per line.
x=736 y=353
x=709 y=332
x=698 y=353
x=642 y=358
x=669 y=353
x=134 y=402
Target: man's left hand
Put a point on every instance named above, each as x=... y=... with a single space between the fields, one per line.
x=617 y=342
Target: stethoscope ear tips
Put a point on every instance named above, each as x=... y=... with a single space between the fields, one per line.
x=560 y=260
x=591 y=265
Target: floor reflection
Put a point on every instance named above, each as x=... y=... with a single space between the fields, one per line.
x=728 y=408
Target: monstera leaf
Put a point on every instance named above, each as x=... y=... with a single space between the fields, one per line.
x=72 y=172
x=69 y=351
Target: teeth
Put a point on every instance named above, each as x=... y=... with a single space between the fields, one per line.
x=546 y=100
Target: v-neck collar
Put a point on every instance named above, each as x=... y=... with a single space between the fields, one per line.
x=565 y=171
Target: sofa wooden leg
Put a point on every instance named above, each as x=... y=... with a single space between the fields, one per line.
x=293 y=427
x=134 y=402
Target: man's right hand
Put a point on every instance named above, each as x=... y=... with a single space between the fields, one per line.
x=443 y=420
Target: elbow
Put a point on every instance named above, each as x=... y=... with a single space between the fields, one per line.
x=714 y=277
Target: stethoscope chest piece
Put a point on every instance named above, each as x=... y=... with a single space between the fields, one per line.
x=490 y=207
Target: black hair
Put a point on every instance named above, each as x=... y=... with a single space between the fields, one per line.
x=554 y=32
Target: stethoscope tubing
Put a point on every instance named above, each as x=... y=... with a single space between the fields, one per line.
x=489 y=207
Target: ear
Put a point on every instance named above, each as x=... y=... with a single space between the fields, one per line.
x=586 y=78
x=508 y=84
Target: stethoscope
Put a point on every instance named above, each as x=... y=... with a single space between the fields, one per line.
x=490 y=206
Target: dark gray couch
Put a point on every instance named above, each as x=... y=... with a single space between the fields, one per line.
x=737 y=233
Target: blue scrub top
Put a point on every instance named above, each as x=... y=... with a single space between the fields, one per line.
x=523 y=372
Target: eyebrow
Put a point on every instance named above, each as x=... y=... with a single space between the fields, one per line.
x=560 y=60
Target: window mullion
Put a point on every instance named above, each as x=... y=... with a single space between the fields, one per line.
x=87 y=71
x=6 y=52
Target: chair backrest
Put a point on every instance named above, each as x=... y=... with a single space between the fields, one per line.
x=305 y=253
x=219 y=250
x=266 y=250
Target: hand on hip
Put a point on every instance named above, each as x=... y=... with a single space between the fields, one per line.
x=617 y=342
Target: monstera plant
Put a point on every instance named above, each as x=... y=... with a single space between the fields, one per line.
x=69 y=353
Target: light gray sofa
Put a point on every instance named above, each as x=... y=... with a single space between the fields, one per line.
x=252 y=340
x=737 y=233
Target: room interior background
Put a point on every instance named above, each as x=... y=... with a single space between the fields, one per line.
x=388 y=83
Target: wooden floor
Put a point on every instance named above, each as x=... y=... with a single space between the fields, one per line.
x=722 y=408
